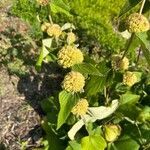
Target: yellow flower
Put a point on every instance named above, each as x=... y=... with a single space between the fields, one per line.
x=129 y=78
x=112 y=132
x=54 y=30
x=69 y=56
x=80 y=108
x=120 y=64
x=137 y=23
x=43 y=2
x=74 y=82
x=45 y=26
x=71 y=38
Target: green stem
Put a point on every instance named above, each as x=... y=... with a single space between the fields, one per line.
x=128 y=45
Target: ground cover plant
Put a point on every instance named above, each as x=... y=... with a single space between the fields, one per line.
x=100 y=52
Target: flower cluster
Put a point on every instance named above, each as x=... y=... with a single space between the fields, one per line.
x=80 y=108
x=137 y=23
x=74 y=82
x=111 y=132
x=43 y=2
x=69 y=56
x=45 y=26
x=54 y=30
x=118 y=63
x=71 y=38
x=129 y=78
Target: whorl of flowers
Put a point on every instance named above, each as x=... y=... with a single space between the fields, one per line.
x=111 y=132
x=118 y=63
x=45 y=26
x=54 y=30
x=81 y=107
x=69 y=56
x=43 y=2
x=71 y=38
x=137 y=23
x=73 y=82
x=129 y=78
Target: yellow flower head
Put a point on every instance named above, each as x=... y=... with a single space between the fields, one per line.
x=54 y=30
x=74 y=82
x=43 y=2
x=112 y=132
x=120 y=64
x=80 y=108
x=69 y=56
x=45 y=26
x=71 y=38
x=137 y=23
x=129 y=78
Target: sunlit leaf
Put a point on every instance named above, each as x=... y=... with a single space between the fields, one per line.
x=93 y=142
x=67 y=101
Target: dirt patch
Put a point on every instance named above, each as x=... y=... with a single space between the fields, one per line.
x=19 y=121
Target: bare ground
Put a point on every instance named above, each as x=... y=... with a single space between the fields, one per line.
x=19 y=118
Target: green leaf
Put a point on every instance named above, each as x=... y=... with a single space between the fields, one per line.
x=129 y=5
x=58 y=6
x=125 y=143
x=86 y=68
x=73 y=145
x=67 y=101
x=95 y=84
x=93 y=142
x=129 y=98
x=143 y=37
x=44 y=52
x=53 y=142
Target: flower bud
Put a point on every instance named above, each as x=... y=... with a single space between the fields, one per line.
x=45 y=26
x=54 y=30
x=81 y=107
x=111 y=132
x=71 y=38
x=137 y=23
x=43 y=2
x=129 y=78
x=69 y=56
x=118 y=63
x=144 y=115
x=73 y=82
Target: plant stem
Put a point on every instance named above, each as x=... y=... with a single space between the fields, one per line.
x=142 y=6
x=138 y=56
x=128 y=46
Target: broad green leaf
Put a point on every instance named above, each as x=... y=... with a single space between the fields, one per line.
x=73 y=145
x=129 y=98
x=58 y=6
x=95 y=84
x=127 y=105
x=44 y=52
x=93 y=142
x=54 y=143
x=143 y=37
x=86 y=68
x=67 y=101
x=125 y=143
x=129 y=5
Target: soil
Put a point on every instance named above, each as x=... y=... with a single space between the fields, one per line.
x=19 y=107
